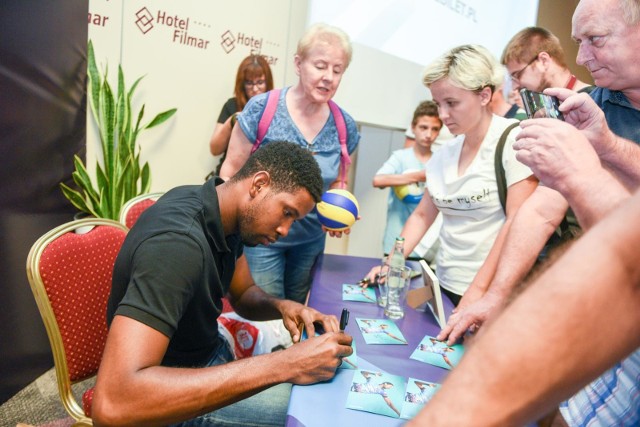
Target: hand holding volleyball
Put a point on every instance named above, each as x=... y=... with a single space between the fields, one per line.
x=409 y=193
x=338 y=210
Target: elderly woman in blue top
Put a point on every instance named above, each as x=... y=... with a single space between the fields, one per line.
x=302 y=116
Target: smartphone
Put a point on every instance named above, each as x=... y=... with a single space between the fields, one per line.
x=538 y=105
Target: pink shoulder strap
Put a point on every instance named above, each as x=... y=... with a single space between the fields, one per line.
x=341 y=126
x=267 y=116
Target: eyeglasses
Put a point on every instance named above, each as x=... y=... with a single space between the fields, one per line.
x=258 y=83
x=517 y=74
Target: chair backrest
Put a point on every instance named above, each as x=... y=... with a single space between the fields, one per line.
x=70 y=270
x=132 y=209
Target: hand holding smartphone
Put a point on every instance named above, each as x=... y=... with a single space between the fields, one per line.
x=538 y=105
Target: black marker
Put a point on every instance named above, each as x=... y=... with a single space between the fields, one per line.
x=344 y=319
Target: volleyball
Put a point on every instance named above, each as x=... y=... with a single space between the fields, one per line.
x=409 y=193
x=338 y=210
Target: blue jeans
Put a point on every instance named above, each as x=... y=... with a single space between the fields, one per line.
x=267 y=408
x=284 y=272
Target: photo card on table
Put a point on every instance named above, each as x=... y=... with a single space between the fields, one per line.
x=352 y=292
x=438 y=353
x=376 y=392
x=350 y=362
x=417 y=394
x=380 y=331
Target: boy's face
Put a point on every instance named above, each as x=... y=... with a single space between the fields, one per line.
x=426 y=130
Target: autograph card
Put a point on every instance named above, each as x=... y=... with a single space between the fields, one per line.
x=376 y=392
x=418 y=393
x=356 y=293
x=438 y=353
x=350 y=362
x=380 y=331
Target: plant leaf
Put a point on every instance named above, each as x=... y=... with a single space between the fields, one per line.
x=123 y=185
x=145 y=177
x=104 y=206
x=89 y=194
x=161 y=118
x=102 y=179
x=94 y=82
x=137 y=128
x=76 y=199
x=82 y=179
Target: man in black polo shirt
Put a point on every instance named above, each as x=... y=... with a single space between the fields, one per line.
x=164 y=361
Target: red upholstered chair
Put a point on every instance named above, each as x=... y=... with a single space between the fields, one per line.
x=132 y=209
x=70 y=270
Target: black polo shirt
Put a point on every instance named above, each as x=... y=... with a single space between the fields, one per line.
x=173 y=269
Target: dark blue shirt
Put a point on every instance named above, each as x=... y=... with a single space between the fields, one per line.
x=623 y=119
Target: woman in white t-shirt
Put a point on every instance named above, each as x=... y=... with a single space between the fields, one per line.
x=461 y=180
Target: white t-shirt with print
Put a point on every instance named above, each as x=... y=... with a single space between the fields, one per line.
x=471 y=209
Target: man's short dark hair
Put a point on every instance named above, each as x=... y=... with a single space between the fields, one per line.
x=426 y=108
x=290 y=166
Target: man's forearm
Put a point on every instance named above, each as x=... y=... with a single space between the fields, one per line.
x=132 y=389
x=594 y=197
x=540 y=349
x=256 y=304
x=532 y=226
x=623 y=161
x=383 y=181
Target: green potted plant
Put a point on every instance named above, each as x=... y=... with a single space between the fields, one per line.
x=119 y=175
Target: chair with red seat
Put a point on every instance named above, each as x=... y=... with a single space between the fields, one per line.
x=70 y=270
x=132 y=209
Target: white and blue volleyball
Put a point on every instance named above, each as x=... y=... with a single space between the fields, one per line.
x=338 y=210
x=409 y=193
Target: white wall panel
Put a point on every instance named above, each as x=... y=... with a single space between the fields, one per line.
x=188 y=51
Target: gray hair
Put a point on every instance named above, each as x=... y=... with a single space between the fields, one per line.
x=325 y=33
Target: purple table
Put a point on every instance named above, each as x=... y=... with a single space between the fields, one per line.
x=324 y=403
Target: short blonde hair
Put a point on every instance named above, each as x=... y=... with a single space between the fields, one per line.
x=470 y=67
x=321 y=32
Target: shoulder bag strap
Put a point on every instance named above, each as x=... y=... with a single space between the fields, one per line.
x=501 y=178
x=267 y=116
x=341 y=127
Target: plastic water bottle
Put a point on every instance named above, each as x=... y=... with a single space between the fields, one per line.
x=395 y=283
